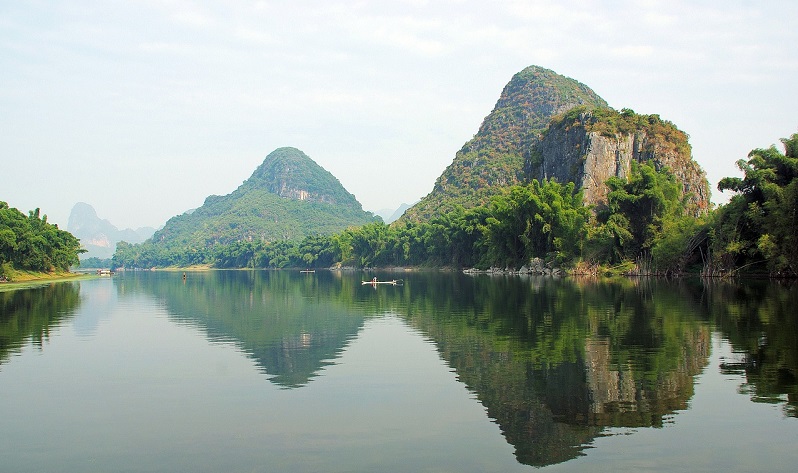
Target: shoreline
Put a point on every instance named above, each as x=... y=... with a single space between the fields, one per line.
x=27 y=279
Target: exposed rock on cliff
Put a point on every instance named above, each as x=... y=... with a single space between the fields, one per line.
x=495 y=157
x=545 y=125
x=590 y=146
x=291 y=174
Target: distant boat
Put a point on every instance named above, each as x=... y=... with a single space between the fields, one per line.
x=307 y=270
x=374 y=282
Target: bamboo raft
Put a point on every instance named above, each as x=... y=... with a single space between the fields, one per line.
x=374 y=282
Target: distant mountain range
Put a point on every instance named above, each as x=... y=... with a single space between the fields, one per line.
x=391 y=215
x=99 y=236
x=288 y=197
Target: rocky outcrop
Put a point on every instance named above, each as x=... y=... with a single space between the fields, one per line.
x=291 y=174
x=494 y=158
x=545 y=125
x=583 y=148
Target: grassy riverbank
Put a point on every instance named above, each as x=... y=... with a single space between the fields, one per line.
x=22 y=279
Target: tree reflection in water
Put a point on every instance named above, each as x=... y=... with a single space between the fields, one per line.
x=555 y=362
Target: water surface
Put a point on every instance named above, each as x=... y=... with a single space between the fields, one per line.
x=286 y=371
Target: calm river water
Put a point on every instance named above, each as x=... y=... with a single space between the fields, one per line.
x=238 y=371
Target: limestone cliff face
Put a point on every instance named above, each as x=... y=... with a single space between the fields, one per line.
x=583 y=151
x=545 y=125
x=494 y=158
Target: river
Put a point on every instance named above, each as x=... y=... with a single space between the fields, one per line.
x=250 y=371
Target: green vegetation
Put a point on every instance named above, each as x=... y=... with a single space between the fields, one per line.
x=494 y=159
x=288 y=198
x=758 y=228
x=634 y=219
x=544 y=220
x=645 y=227
x=610 y=122
x=29 y=243
x=95 y=262
x=540 y=220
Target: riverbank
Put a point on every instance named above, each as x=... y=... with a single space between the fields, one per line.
x=23 y=279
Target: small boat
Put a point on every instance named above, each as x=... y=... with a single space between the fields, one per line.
x=374 y=282
x=307 y=270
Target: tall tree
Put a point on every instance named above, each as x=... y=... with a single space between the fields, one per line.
x=760 y=222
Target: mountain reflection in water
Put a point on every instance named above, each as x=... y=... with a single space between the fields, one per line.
x=554 y=361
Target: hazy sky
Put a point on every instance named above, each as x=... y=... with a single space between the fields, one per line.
x=144 y=108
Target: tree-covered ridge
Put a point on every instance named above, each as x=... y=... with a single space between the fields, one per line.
x=288 y=197
x=256 y=214
x=495 y=157
x=290 y=173
x=30 y=243
x=645 y=227
x=545 y=220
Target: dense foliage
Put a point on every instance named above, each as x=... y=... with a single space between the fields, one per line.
x=637 y=212
x=545 y=220
x=95 y=262
x=30 y=243
x=539 y=220
x=758 y=228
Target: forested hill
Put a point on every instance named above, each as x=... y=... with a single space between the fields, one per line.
x=288 y=197
x=494 y=159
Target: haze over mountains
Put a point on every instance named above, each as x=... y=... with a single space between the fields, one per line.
x=289 y=195
x=99 y=236
x=391 y=215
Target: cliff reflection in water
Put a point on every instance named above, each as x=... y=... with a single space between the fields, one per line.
x=555 y=362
